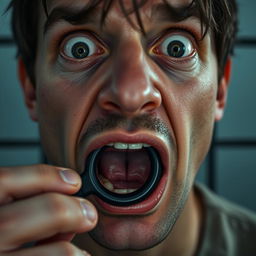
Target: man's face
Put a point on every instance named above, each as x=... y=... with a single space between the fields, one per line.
x=102 y=85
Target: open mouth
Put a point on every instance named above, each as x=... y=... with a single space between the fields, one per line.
x=126 y=173
x=124 y=168
x=121 y=174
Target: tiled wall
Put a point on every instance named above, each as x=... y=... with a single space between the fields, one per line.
x=16 y=126
x=231 y=167
x=235 y=151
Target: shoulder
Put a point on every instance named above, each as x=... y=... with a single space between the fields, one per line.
x=223 y=207
x=231 y=227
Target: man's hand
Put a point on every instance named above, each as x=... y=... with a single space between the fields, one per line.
x=36 y=205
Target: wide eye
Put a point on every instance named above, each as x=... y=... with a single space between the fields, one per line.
x=79 y=47
x=177 y=46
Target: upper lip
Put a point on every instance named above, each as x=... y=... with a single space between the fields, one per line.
x=147 y=138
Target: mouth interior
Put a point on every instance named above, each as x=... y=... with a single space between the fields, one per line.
x=123 y=171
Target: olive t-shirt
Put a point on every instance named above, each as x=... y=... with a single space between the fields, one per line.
x=229 y=230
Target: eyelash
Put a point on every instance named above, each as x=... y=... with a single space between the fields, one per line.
x=155 y=42
x=175 y=30
x=100 y=45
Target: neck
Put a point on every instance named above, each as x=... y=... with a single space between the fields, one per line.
x=183 y=240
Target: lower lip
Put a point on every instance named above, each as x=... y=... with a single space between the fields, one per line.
x=143 y=207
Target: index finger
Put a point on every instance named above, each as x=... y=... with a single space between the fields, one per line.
x=24 y=181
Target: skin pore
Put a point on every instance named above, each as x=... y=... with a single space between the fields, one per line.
x=129 y=75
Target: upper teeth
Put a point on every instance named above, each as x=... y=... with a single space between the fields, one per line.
x=121 y=145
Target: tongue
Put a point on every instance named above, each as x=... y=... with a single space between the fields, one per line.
x=125 y=169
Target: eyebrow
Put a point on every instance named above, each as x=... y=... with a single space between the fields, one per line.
x=72 y=16
x=160 y=12
x=167 y=12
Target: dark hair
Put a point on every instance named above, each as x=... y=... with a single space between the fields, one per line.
x=219 y=16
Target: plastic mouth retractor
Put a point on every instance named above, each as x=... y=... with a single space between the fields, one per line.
x=92 y=185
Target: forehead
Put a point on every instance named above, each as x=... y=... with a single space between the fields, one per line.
x=128 y=4
x=150 y=11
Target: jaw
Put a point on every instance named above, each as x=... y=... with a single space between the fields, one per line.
x=121 y=229
x=128 y=225
x=138 y=232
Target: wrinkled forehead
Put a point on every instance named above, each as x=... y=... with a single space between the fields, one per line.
x=127 y=3
x=145 y=6
x=142 y=12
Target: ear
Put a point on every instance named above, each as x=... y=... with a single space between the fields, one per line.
x=223 y=91
x=29 y=90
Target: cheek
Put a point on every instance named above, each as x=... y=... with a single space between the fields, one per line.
x=51 y=112
x=191 y=110
x=202 y=104
x=60 y=106
x=201 y=118
x=65 y=100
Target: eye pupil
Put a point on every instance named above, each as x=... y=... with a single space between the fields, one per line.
x=80 y=50
x=176 y=49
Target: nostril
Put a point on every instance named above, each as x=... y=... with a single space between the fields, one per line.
x=149 y=106
x=110 y=106
x=131 y=107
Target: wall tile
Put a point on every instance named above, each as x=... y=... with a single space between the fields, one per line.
x=21 y=156
x=4 y=19
x=15 y=122
x=247 y=18
x=202 y=174
x=236 y=175
x=240 y=118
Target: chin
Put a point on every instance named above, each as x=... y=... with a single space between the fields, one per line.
x=141 y=232
x=128 y=235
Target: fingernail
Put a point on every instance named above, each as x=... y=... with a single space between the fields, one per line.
x=86 y=253
x=88 y=211
x=69 y=177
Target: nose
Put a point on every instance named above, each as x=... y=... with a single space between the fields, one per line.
x=131 y=88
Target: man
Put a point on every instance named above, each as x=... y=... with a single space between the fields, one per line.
x=127 y=75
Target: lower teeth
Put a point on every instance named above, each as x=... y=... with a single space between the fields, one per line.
x=108 y=185
x=124 y=191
